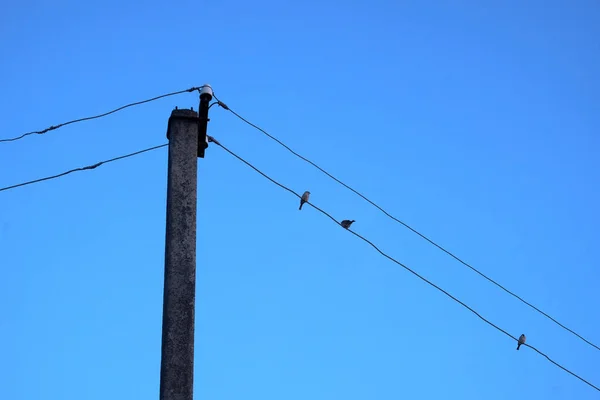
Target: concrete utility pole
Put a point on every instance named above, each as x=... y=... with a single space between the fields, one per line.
x=177 y=353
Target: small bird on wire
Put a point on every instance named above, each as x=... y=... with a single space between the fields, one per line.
x=304 y=199
x=521 y=341
x=346 y=223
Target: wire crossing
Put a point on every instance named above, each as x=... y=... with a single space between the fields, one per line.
x=211 y=139
x=137 y=103
x=87 y=168
x=448 y=252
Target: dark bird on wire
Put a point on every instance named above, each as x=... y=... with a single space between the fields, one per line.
x=304 y=199
x=346 y=223
x=521 y=341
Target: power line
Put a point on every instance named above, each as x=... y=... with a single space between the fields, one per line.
x=211 y=139
x=448 y=252
x=51 y=128
x=89 y=167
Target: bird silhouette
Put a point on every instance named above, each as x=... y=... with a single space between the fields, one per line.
x=304 y=199
x=346 y=223
x=521 y=341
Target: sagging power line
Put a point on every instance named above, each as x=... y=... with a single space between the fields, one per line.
x=211 y=139
x=89 y=167
x=421 y=235
x=53 y=127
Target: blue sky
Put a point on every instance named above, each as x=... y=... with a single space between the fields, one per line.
x=475 y=123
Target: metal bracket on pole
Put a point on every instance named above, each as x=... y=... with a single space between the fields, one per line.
x=206 y=95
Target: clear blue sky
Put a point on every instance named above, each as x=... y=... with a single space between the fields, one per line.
x=477 y=123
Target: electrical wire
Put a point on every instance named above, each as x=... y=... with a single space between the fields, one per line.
x=51 y=128
x=213 y=140
x=448 y=252
x=89 y=167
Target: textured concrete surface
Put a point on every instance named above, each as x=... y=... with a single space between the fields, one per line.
x=177 y=356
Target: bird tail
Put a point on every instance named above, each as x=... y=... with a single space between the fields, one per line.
x=301 y=204
x=519 y=345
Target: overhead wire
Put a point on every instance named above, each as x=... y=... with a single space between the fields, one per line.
x=213 y=140
x=94 y=166
x=430 y=241
x=89 y=167
x=53 y=127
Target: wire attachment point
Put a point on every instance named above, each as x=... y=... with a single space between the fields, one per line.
x=93 y=166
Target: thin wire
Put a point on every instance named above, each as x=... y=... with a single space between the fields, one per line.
x=448 y=252
x=93 y=166
x=51 y=128
x=401 y=264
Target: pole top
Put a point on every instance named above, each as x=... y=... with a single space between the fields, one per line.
x=181 y=114
x=206 y=89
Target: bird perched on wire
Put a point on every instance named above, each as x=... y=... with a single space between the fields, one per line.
x=346 y=223
x=521 y=341
x=304 y=199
